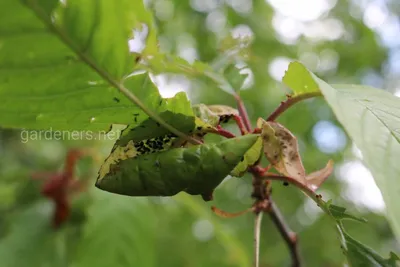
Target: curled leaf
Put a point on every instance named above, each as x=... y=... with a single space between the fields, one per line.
x=249 y=159
x=315 y=179
x=282 y=151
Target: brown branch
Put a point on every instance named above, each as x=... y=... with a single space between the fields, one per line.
x=290 y=101
x=289 y=236
x=261 y=190
x=265 y=203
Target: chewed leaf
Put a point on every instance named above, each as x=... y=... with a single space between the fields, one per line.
x=315 y=179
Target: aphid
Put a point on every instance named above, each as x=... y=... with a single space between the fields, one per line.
x=116 y=99
x=197 y=170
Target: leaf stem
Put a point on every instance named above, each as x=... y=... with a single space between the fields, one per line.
x=117 y=84
x=290 y=101
x=243 y=112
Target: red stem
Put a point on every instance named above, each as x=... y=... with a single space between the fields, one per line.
x=290 y=102
x=243 y=113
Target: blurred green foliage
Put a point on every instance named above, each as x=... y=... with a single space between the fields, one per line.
x=110 y=230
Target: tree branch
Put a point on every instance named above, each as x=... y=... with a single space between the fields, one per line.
x=261 y=190
x=265 y=203
x=290 y=101
x=289 y=236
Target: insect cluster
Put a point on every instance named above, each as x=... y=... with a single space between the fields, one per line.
x=166 y=165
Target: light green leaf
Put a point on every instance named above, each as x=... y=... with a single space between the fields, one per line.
x=371 y=117
x=206 y=115
x=62 y=63
x=235 y=77
x=249 y=159
x=298 y=79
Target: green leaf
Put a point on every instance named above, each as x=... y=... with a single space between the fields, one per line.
x=197 y=170
x=206 y=115
x=360 y=255
x=234 y=77
x=119 y=232
x=339 y=213
x=176 y=111
x=62 y=63
x=371 y=117
x=250 y=158
x=298 y=79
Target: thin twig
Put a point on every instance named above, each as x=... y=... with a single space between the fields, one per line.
x=289 y=236
x=290 y=102
x=261 y=191
x=243 y=113
x=257 y=230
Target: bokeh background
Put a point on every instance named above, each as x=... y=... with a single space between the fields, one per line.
x=342 y=41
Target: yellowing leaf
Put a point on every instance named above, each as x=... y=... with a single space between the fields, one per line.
x=282 y=151
x=315 y=179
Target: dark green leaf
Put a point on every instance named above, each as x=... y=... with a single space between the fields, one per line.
x=195 y=170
